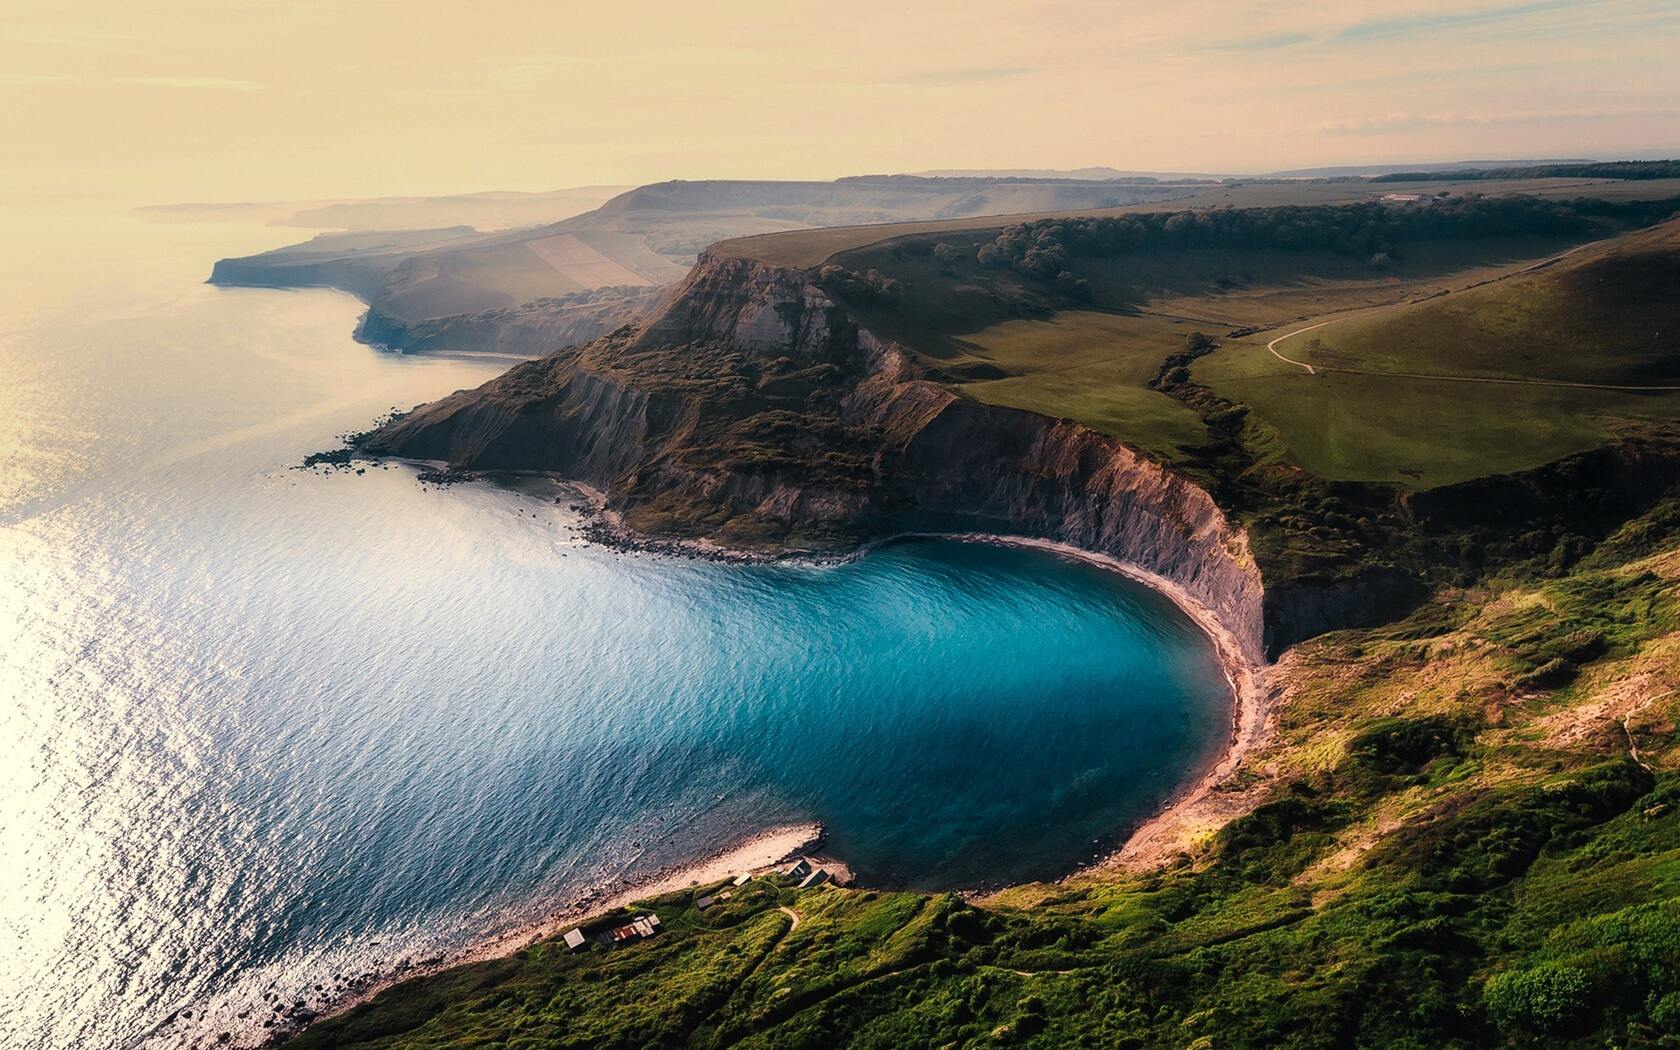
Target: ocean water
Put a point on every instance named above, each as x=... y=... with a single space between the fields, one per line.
x=260 y=726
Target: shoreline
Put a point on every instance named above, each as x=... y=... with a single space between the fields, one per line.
x=1158 y=838
x=1150 y=844
x=756 y=854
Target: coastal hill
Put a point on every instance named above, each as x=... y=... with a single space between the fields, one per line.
x=514 y=291
x=937 y=381
x=494 y=210
x=1440 y=546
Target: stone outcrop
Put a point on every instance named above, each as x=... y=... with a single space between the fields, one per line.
x=752 y=306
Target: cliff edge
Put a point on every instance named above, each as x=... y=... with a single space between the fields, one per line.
x=753 y=410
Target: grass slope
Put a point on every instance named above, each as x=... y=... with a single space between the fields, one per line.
x=1085 y=365
x=1603 y=314
x=1485 y=306
x=1606 y=314
x=1468 y=835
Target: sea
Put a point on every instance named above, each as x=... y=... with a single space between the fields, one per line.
x=262 y=727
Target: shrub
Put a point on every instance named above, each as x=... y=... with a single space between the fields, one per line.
x=1548 y=675
x=1547 y=998
x=1665 y=1012
x=1406 y=745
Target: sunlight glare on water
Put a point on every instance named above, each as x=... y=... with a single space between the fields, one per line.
x=261 y=728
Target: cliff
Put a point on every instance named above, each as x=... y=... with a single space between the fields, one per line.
x=752 y=409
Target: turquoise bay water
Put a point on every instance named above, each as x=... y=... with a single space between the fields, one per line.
x=262 y=726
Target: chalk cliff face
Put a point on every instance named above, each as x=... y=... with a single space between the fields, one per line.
x=757 y=308
x=964 y=465
x=751 y=408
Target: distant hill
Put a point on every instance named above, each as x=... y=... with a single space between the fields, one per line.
x=1586 y=169
x=496 y=210
x=483 y=211
x=1101 y=173
x=1357 y=170
x=644 y=237
x=1093 y=173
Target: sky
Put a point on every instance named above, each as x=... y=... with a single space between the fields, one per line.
x=300 y=99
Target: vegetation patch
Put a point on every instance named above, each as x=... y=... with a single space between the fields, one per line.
x=1425 y=870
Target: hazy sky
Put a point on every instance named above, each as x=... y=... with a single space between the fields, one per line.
x=297 y=98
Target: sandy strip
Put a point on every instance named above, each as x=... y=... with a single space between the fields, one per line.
x=1198 y=810
x=756 y=854
x=1201 y=805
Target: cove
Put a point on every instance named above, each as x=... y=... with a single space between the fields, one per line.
x=266 y=726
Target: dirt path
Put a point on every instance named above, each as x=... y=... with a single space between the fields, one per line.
x=1272 y=346
x=790 y=913
x=1325 y=369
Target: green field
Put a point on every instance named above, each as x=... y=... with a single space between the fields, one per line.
x=1418 y=433
x=1089 y=366
x=1606 y=314
x=1603 y=314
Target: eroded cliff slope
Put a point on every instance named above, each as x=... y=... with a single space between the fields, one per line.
x=752 y=409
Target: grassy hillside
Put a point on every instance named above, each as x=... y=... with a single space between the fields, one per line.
x=1603 y=314
x=1086 y=335
x=1606 y=314
x=1466 y=833
x=1087 y=365
x=814 y=247
x=1094 y=351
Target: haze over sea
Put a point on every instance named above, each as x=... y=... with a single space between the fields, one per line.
x=261 y=726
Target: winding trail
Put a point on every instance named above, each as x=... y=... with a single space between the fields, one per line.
x=1272 y=346
x=1531 y=268
x=1326 y=369
x=795 y=916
